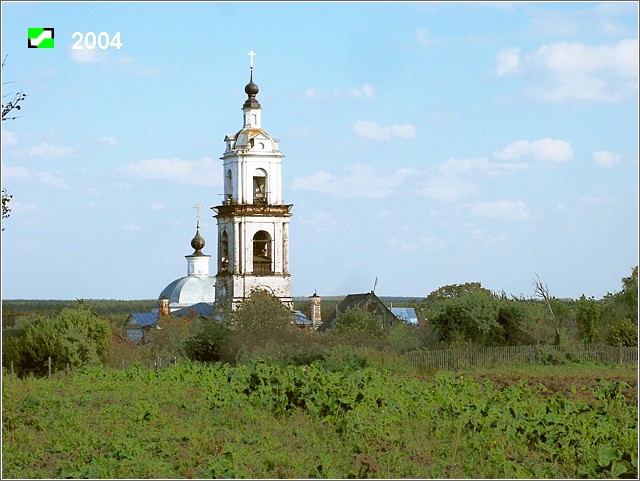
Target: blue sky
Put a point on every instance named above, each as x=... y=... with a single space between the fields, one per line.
x=425 y=143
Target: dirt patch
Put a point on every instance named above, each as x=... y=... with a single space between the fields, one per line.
x=572 y=387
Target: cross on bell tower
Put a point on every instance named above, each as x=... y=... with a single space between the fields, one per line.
x=253 y=221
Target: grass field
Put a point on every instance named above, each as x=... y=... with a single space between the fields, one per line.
x=272 y=421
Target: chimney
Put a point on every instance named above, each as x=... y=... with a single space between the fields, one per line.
x=163 y=303
x=316 y=315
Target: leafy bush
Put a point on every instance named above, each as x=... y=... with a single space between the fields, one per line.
x=623 y=333
x=207 y=343
x=74 y=337
x=587 y=318
x=472 y=316
x=356 y=321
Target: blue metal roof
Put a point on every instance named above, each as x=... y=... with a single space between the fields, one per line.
x=202 y=309
x=143 y=319
x=300 y=319
x=406 y=314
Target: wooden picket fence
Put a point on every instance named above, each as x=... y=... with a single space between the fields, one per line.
x=475 y=356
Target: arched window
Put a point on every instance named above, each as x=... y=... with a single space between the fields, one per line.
x=228 y=187
x=262 y=253
x=260 y=186
x=224 y=252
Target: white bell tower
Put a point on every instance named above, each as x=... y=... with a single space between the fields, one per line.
x=253 y=222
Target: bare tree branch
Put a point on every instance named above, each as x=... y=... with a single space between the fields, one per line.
x=542 y=291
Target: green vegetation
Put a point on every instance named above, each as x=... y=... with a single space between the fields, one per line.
x=72 y=338
x=469 y=313
x=254 y=396
x=260 y=420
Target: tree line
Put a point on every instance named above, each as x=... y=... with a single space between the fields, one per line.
x=451 y=316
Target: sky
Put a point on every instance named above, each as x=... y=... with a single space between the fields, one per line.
x=426 y=144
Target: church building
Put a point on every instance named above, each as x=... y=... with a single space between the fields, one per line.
x=253 y=220
x=198 y=286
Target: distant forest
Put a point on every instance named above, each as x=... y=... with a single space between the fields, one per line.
x=119 y=310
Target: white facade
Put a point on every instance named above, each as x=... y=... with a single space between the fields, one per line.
x=197 y=286
x=253 y=222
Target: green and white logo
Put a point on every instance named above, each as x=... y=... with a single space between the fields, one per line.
x=40 y=37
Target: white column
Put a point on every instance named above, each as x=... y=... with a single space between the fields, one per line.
x=236 y=247
x=285 y=247
x=276 y=235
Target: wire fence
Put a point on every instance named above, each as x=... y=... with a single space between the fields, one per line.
x=475 y=356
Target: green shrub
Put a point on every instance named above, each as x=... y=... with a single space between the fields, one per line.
x=207 y=343
x=74 y=337
x=623 y=333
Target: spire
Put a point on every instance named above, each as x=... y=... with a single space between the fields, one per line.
x=197 y=242
x=251 y=89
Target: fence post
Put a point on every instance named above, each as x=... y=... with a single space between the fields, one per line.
x=12 y=368
x=620 y=353
x=49 y=367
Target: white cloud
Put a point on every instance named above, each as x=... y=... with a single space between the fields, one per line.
x=590 y=199
x=9 y=138
x=446 y=188
x=18 y=173
x=318 y=218
x=466 y=166
x=204 y=172
x=605 y=159
x=589 y=73
x=20 y=207
x=372 y=130
x=543 y=150
x=402 y=244
x=130 y=227
x=52 y=180
x=504 y=209
x=365 y=91
x=422 y=36
x=108 y=140
x=508 y=61
x=84 y=55
x=621 y=58
x=431 y=241
x=46 y=150
x=157 y=206
x=413 y=244
x=361 y=181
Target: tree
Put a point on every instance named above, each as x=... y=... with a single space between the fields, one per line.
x=74 y=337
x=13 y=104
x=208 y=341
x=440 y=296
x=542 y=291
x=517 y=328
x=587 y=317
x=623 y=333
x=471 y=316
x=6 y=198
x=628 y=296
x=355 y=321
x=262 y=324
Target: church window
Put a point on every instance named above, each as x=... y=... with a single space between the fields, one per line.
x=224 y=252
x=260 y=187
x=262 y=253
x=228 y=189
